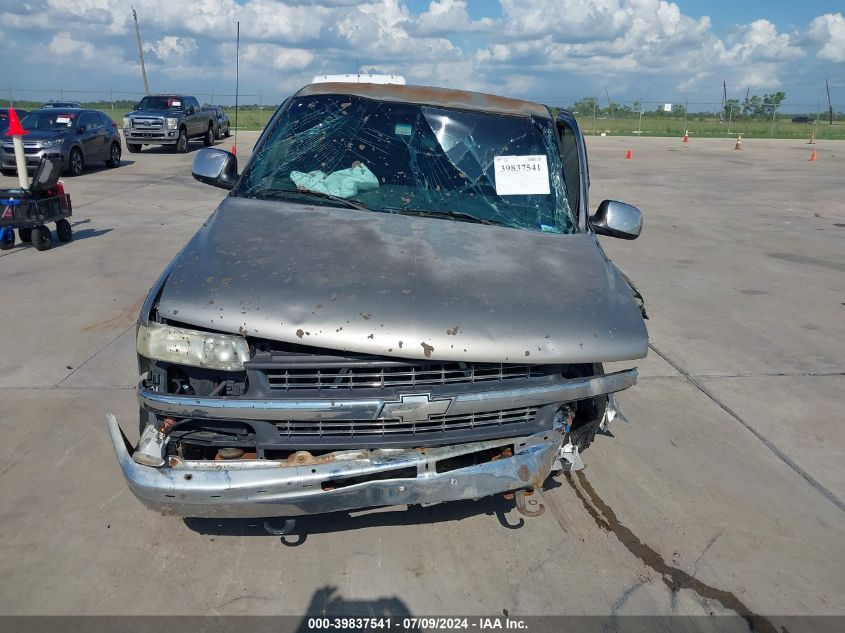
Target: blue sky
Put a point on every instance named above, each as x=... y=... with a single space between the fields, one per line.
x=551 y=50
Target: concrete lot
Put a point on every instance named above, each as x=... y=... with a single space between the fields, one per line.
x=724 y=493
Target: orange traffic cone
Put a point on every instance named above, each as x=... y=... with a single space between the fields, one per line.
x=738 y=142
x=813 y=157
x=686 y=137
x=812 y=140
x=234 y=150
x=628 y=155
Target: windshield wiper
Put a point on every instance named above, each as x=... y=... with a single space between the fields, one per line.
x=458 y=216
x=269 y=191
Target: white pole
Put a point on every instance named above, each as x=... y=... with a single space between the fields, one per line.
x=20 y=160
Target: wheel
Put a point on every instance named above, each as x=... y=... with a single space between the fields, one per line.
x=42 y=239
x=228 y=131
x=133 y=148
x=182 y=142
x=25 y=235
x=220 y=133
x=7 y=238
x=75 y=162
x=588 y=416
x=114 y=155
x=208 y=139
x=63 y=230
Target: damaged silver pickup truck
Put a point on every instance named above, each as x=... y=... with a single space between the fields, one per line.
x=402 y=300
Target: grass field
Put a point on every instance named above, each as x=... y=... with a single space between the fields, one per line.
x=698 y=125
x=712 y=128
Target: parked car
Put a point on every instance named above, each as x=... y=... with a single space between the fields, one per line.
x=402 y=300
x=224 y=129
x=80 y=137
x=4 y=118
x=803 y=119
x=169 y=120
x=61 y=104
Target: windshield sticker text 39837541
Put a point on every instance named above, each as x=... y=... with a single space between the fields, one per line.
x=521 y=175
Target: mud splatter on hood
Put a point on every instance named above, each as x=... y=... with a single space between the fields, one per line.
x=409 y=287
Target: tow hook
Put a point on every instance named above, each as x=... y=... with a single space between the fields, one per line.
x=287 y=528
x=527 y=504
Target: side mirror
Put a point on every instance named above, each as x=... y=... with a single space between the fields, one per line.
x=215 y=167
x=617 y=219
x=189 y=110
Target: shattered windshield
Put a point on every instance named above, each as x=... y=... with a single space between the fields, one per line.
x=415 y=159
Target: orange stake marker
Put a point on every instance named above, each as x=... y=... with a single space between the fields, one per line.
x=813 y=157
x=628 y=155
x=812 y=140
x=686 y=137
x=738 y=142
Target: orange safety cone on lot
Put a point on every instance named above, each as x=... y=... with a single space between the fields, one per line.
x=628 y=155
x=738 y=142
x=17 y=133
x=234 y=150
x=812 y=140
x=686 y=137
x=813 y=157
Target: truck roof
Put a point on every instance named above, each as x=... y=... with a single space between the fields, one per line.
x=427 y=95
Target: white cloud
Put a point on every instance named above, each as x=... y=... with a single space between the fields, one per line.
x=537 y=48
x=828 y=30
x=172 y=47
x=449 y=16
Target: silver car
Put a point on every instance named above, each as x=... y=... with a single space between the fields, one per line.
x=81 y=137
x=402 y=300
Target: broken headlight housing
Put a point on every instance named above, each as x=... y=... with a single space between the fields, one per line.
x=225 y=352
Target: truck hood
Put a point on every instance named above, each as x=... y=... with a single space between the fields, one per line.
x=409 y=287
x=45 y=135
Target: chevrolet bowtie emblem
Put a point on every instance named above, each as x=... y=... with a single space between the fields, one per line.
x=415 y=407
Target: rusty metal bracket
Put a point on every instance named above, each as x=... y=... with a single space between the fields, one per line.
x=528 y=505
x=286 y=529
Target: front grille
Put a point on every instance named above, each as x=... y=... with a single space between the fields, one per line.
x=350 y=376
x=393 y=426
x=27 y=149
x=141 y=123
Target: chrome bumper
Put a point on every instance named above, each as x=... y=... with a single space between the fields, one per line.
x=264 y=488
x=167 y=137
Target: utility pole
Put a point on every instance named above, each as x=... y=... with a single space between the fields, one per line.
x=140 y=52
x=609 y=104
x=237 y=83
x=829 y=103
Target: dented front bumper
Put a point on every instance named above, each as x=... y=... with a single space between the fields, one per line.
x=344 y=480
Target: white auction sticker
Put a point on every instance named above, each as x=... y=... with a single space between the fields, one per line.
x=521 y=175
x=62 y=119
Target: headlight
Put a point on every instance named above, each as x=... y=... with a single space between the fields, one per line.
x=126 y=122
x=172 y=123
x=225 y=352
x=51 y=143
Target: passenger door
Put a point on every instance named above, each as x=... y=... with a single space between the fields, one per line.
x=193 y=122
x=88 y=136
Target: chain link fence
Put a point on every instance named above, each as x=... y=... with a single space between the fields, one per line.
x=596 y=116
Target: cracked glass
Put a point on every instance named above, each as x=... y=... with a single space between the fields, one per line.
x=414 y=159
